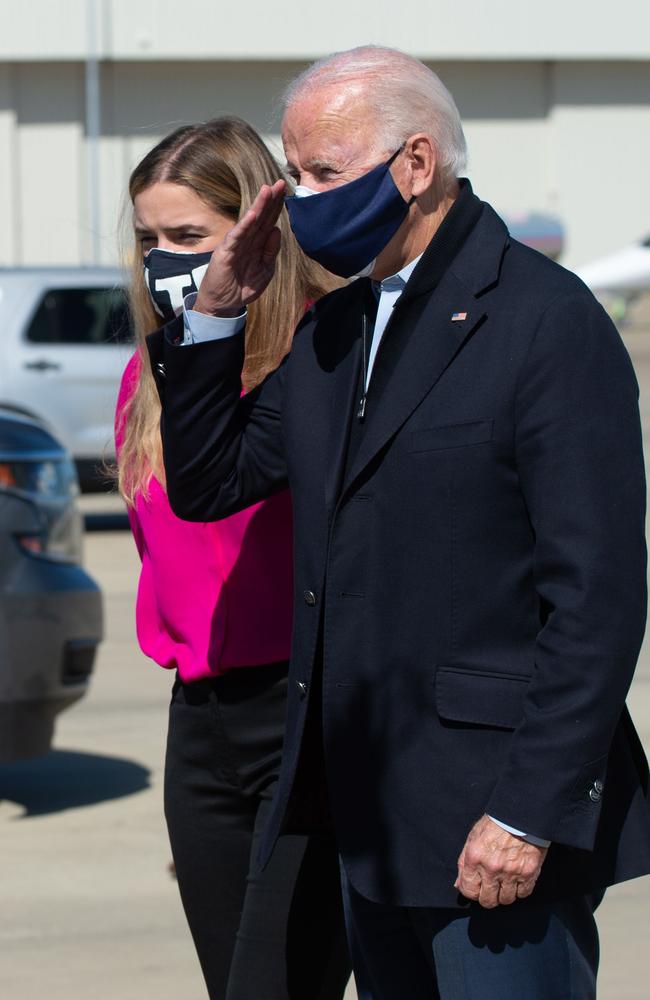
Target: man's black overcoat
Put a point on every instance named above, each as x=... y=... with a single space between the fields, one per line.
x=474 y=580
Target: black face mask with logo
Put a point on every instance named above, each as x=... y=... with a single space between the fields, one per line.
x=170 y=275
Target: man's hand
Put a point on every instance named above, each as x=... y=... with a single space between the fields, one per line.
x=243 y=263
x=495 y=867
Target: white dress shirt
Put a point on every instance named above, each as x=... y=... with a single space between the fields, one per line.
x=388 y=292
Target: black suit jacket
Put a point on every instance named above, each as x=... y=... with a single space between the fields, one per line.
x=476 y=574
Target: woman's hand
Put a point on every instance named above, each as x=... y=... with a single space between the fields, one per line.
x=243 y=263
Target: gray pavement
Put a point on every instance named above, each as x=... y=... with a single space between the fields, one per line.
x=87 y=907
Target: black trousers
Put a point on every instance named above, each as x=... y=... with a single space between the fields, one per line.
x=278 y=934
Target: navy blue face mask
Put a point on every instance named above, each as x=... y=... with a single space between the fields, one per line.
x=345 y=228
x=170 y=275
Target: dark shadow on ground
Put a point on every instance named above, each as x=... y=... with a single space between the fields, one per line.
x=69 y=779
x=117 y=521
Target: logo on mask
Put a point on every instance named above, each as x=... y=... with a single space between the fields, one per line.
x=170 y=275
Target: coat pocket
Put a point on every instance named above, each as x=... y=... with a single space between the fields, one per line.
x=480 y=697
x=451 y=436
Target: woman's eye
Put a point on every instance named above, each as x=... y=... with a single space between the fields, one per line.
x=147 y=242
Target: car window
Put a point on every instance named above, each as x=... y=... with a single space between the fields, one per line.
x=81 y=316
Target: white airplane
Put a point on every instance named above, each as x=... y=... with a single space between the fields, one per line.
x=623 y=274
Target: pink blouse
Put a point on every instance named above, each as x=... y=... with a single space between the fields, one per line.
x=216 y=596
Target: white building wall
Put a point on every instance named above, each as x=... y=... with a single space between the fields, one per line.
x=259 y=30
x=9 y=236
x=144 y=102
x=504 y=107
x=555 y=101
x=600 y=139
x=48 y=154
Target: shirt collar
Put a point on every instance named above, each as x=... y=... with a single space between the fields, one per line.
x=396 y=282
x=447 y=241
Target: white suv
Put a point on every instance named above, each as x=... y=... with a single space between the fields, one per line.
x=64 y=341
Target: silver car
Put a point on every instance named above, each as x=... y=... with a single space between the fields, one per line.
x=51 y=617
x=64 y=341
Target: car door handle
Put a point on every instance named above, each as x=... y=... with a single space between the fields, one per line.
x=42 y=366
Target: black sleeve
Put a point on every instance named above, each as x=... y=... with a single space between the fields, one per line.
x=222 y=451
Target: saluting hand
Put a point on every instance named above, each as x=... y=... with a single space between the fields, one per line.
x=243 y=263
x=495 y=867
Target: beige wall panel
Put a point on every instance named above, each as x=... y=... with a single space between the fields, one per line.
x=114 y=219
x=600 y=138
x=51 y=187
x=113 y=168
x=9 y=234
x=150 y=99
x=44 y=29
x=140 y=104
x=504 y=110
x=496 y=29
x=144 y=102
x=257 y=29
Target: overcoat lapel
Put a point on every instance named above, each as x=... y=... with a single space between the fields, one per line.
x=420 y=343
x=342 y=405
x=425 y=334
x=342 y=398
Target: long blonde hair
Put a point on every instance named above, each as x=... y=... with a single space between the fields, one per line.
x=224 y=162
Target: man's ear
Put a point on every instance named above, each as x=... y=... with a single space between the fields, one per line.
x=421 y=161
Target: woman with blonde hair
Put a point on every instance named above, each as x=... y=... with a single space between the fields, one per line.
x=214 y=600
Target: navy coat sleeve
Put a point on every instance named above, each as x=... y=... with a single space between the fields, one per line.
x=580 y=464
x=222 y=452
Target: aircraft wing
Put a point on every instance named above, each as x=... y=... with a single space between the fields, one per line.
x=626 y=272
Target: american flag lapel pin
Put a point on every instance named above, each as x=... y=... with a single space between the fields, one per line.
x=458 y=317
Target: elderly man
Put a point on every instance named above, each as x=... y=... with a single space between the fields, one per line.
x=459 y=429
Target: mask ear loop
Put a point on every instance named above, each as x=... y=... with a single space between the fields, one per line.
x=392 y=160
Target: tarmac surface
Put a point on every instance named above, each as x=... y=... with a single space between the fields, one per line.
x=88 y=910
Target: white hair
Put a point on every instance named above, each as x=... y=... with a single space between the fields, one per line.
x=403 y=95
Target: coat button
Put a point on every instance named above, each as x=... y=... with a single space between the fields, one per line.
x=594 y=794
x=598 y=785
x=310 y=598
x=302 y=687
x=162 y=371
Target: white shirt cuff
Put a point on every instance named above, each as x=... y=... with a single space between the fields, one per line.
x=199 y=327
x=528 y=837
